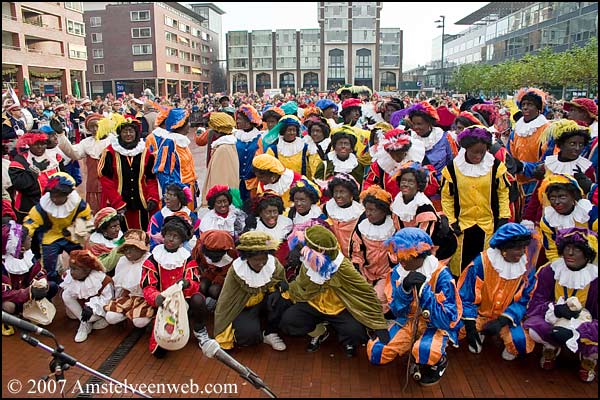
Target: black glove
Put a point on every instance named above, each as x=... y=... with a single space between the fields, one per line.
x=151 y=205
x=86 y=313
x=456 y=228
x=186 y=283
x=493 y=327
x=584 y=182
x=539 y=172
x=561 y=335
x=38 y=293
x=501 y=221
x=273 y=299
x=283 y=286
x=66 y=232
x=57 y=126
x=159 y=300
x=519 y=166
x=444 y=226
x=563 y=311
x=383 y=335
x=473 y=336
x=415 y=279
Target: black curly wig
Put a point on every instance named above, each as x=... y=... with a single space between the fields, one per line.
x=420 y=177
x=350 y=185
x=175 y=223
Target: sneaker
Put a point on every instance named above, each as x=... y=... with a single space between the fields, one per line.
x=275 y=341
x=548 y=360
x=431 y=375
x=350 y=350
x=211 y=304
x=100 y=324
x=159 y=353
x=507 y=355
x=85 y=328
x=587 y=370
x=315 y=342
x=7 y=330
x=202 y=336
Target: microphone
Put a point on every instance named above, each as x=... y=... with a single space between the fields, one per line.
x=24 y=325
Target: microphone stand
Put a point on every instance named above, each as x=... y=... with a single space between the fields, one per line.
x=63 y=361
x=252 y=378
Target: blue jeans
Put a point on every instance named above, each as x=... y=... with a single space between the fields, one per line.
x=50 y=254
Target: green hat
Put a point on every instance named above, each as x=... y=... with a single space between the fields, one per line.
x=322 y=240
x=257 y=241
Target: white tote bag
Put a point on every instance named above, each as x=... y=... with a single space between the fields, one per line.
x=41 y=312
x=171 y=328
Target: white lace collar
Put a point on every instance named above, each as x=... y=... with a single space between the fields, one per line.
x=473 y=170
x=179 y=139
x=246 y=137
x=63 y=210
x=213 y=221
x=252 y=278
x=580 y=214
x=313 y=213
x=223 y=262
x=315 y=277
x=346 y=214
x=289 y=149
x=18 y=266
x=346 y=166
x=429 y=266
x=525 y=129
x=223 y=140
x=283 y=184
x=435 y=136
x=406 y=212
x=129 y=274
x=279 y=231
x=573 y=279
x=167 y=212
x=505 y=269
x=312 y=146
x=554 y=165
x=99 y=238
x=138 y=149
x=168 y=260
x=83 y=289
x=377 y=232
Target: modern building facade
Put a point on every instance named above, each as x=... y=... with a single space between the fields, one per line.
x=44 y=43
x=162 y=46
x=348 y=47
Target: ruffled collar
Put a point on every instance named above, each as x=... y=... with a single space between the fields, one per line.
x=473 y=170
x=346 y=214
x=314 y=213
x=129 y=274
x=289 y=149
x=252 y=278
x=406 y=212
x=429 y=266
x=179 y=139
x=223 y=262
x=83 y=289
x=63 y=210
x=435 y=136
x=168 y=260
x=246 y=137
x=283 y=184
x=573 y=279
x=525 y=129
x=212 y=220
x=94 y=147
x=138 y=149
x=167 y=212
x=377 y=232
x=312 y=146
x=315 y=277
x=223 y=140
x=99 y=238
x=279 y=231
x=346 y=166
x=18 y=266
x=554 y=165
x=505 y=269
x=580 y=214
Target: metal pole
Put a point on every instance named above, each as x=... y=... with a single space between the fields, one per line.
x=443 y=30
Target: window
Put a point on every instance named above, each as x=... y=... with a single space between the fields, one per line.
x=137 y=33
x=172 y=67
x=96 y=38
x=75 y=28
x=336 y=64
x=95 y=21
x=77 y=52
x=171 y=52
x=98 y=53
x=363 y=66
x=141 y=49
x=170 y=37
x=187 y=69
x=98 y=69
x=74 y=5
x=136 y=16
x=141 y=66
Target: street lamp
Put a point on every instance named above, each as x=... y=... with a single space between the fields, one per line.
x=442 y=21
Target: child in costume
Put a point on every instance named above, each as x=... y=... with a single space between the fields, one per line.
x=106 y=237
x=252 y=291
x=341 y=158
x=289 y=148
x=575 y=273
x=129 y=302
x=272 y=175
x=306 y=196
x=248 y=144
x=420 y=273
x=495 y=289
x=86 y=290
x=224 y=213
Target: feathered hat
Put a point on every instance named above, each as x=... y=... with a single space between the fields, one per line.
x=249 y=112
x=86 y=260
x=408 y=243
x=396 y=139
x=558 y=128
x=423 y=107
x=537 y=95
x=578 y=235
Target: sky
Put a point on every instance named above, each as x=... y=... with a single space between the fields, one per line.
x=415 y=19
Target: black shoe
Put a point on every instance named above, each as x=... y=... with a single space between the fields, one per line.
x=350 y=350
x=159 y=352
x=431 y=375
x=315 y=342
